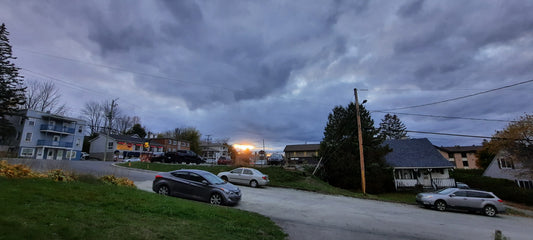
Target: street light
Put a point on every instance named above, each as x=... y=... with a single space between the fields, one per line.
x=360 y=140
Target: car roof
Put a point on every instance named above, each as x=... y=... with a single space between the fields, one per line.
x=197 y=171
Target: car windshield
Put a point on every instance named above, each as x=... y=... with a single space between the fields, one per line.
x=446 y=191
x=213 y=179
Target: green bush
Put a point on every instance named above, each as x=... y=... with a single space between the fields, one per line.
x=503 y=188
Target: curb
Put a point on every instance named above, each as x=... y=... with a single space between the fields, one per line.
x=134 y=169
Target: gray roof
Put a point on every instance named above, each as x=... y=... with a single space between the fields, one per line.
x=302 y=148
x=415 y=153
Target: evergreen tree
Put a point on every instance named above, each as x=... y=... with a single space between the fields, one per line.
x=137 y=129
x=11 y=86
x=392 y=128
x=340 y=152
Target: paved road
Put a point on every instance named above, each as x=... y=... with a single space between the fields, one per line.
x=306 y=215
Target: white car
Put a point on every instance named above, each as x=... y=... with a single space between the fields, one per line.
x=247 y=176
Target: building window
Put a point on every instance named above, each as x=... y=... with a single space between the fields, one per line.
x=525 y=184
x=31 y=123
x=56 y=138
x=26 y=152
x=110 y=145
x=463 y=155
x=78 y=141
x=28 y=137
x=70 y=154
x=169 y=141
x=80 y=129
x=505 y=163
x=465 y=163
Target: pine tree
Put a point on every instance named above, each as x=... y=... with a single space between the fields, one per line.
x=340 y=152
x=11 y=86
x=392 y=128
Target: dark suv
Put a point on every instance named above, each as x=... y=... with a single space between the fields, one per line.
x=179 y=156
x=275 y=159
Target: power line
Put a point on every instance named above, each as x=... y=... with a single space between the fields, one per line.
x=462 y=97
x=448 y=134
x=449 y=117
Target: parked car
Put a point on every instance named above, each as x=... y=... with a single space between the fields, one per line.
x=223 y=161
x=467 y=199
x=210 y=161
x=462 y=185
x=276 y=159
x=132 y=160
x=84 y=156
x=197 y=185
x=247 y=176
x=179 y=156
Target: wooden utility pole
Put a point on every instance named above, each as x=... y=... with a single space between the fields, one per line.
x=360 y=140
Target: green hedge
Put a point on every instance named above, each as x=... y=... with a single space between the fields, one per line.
x=503 y=188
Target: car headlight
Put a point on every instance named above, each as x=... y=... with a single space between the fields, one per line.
x=427 y=197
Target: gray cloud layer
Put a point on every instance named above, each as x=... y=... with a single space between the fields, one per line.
x=274 y=69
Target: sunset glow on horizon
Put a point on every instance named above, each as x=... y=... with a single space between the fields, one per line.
x=242 y=147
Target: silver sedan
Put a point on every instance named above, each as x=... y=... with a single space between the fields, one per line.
x=247 y=176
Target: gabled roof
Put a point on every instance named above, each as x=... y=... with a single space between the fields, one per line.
x=415 y=153
x=302 y=148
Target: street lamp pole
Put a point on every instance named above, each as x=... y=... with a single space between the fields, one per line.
x=360 y=140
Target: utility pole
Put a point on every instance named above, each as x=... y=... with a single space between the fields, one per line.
x=110 y=118
x=360 y=140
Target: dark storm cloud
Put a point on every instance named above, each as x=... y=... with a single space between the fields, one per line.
x=275 y=69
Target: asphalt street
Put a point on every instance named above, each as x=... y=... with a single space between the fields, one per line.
x=307 y=215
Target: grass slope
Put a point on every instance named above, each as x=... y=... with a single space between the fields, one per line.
x=43 y=209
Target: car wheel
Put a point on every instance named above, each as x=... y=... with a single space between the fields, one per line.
x=163 y=190
x=489 y=211
x=253 y=184
x=215 y=199
x=440 y=205
x=224 y=178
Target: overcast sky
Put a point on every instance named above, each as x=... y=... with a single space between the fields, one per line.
x=274 y=70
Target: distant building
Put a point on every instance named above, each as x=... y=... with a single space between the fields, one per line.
x=462 y=157
x=214 y=150
x=42 y=135
x=122 y=147
x=171 y=145
x=302 y=154
x=503 y=166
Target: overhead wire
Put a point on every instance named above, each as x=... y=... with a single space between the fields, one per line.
x=449 y=117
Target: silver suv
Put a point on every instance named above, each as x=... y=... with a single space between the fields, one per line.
x=467 y=199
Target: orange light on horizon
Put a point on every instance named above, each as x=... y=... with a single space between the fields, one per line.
x=242 y=147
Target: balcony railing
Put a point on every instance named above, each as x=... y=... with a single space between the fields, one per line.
x=54 y=144
x=444 y=182
x=436 y=183
x=405 y=183
x=55 y=128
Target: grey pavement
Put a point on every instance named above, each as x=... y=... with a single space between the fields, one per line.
x=308 y=215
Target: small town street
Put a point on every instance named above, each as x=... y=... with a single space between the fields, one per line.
x=307 y=215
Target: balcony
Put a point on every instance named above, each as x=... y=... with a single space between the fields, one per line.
x=56 y=129
x=48 y=143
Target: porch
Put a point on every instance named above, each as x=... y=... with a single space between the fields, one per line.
x=427 y=178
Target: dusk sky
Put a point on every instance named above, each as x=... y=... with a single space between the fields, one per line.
x=274 y=70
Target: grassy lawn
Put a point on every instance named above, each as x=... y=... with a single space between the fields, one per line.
x=44 y=209
x=280 y=177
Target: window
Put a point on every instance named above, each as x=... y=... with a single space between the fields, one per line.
x=56 y=138
x=465 y=163
x=26 y=152
x=169 y=141
x=463 y=155
x=247 y=172
x=78 y=141
x=70 y=154
x=195 y=177
x=505 y=163
x=31 y=123
x=28 y=137
x=80 y=129
x=475 y=194
x=460 y=194
x=525 y=184
x=237 y=171
x=110 y=145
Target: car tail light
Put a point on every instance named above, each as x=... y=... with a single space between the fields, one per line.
x=499 y=200
x=265 y=177
x=158 y=176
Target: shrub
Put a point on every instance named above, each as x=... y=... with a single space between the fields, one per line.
x=59 y=175
x=16 y=171
x=121 y=181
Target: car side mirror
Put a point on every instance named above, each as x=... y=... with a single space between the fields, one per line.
x=205 y=182
x=452 y=195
